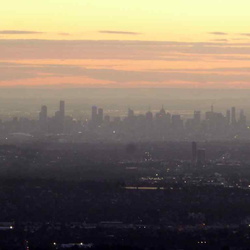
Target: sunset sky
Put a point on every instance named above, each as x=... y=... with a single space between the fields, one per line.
x=94 y=43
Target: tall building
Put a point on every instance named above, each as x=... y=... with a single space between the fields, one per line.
x=62 y=108
x=233 y=114
x=43 y=119
x=59 y=118
x=100 y=116
x=194 y=152
x=131 y=118
x=43 y=114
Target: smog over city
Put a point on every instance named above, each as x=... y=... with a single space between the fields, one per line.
x=125 y=125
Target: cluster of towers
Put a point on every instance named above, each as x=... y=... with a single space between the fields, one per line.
x=231 y=117
x=57 y=122
x=159 y=126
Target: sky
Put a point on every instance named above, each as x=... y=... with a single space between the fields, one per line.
x=94 y=43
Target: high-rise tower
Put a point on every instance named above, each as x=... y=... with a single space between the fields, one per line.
x=62 y=108
x=233 y=114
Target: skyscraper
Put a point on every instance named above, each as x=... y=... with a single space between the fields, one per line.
x=94 y=114
x=62 y=108
x=43 y=118
x=233 y=113
x=60 y=118
x=43 y=114
x=100 y=116
x=130 y=120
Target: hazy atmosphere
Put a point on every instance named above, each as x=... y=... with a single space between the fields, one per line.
x=125 y=125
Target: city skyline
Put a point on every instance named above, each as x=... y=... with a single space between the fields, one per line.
x=149 y=126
